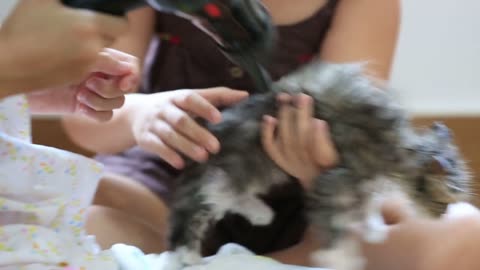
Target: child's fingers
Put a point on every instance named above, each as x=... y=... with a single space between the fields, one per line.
x=194 y=103
x=286 y=115
x=152 y=143
x=323 y=150
x=182 y=123
x=99 y=103
x=95 y=115
x=222 y=96
x=128 y=83
x=117 y=63
x=268 y=135
x=177 y=141
x=304 y=138
x=269 y=143
x=106 y=88
x=108 y=64
x=122 y=56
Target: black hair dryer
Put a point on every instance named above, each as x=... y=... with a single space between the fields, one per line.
x=242 y=29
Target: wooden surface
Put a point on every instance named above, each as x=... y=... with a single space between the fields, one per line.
x=49 y=131
x=466 y=131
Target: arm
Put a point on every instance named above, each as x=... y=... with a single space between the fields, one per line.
x=96 y=136
x=108 y=137
x=412 y=244
x=31 y=56
x=141 y=28
x=364 y=30
x=76 y=99
x=428 y=245
x=163 y=123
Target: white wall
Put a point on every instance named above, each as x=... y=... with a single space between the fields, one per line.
x=437 y=67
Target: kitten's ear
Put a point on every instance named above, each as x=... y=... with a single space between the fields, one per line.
x=442 y=131
x=439 y=165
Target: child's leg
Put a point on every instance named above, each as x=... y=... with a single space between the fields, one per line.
x=300 y=253
x=133 y=199
x=111 y=226
x=125 y=211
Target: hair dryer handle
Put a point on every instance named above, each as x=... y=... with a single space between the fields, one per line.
x=112 y=7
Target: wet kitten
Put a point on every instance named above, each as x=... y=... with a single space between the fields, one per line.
x=381 y=156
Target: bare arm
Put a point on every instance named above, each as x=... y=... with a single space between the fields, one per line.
x=25 y=66
x=141 y=27
x=163 y=123
x=364 y=30
x=114 y=135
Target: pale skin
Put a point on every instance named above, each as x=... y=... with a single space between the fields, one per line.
x=33 y=62
x=125 y=207
x=165 y=126
x=32 y=58
x=78 y=99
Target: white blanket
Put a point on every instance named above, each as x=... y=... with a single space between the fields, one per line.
x=230 y=256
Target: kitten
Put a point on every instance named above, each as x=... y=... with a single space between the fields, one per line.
x=381 y=155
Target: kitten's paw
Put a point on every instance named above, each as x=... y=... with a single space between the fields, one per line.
x=261 y=216
x=254 y=210
x=188 y=256
x=338 y=259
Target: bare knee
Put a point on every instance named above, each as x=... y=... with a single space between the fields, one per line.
x=112 y=192
x=111 y=226
x=133 y=199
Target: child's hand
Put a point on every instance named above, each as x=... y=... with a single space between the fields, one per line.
x=414 y=243
x=113 y=75
x=302 y=145
x=164 y=124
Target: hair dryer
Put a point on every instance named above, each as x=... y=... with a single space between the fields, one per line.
x=242 y=29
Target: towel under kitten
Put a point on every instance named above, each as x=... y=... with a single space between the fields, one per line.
x=381 y=156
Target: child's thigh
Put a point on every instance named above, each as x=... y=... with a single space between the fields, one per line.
x=111 y=226
x=132 y=198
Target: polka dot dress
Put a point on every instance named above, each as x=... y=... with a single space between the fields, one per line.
x=44 y=193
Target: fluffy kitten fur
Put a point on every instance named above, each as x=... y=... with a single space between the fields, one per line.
x=381 y=156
